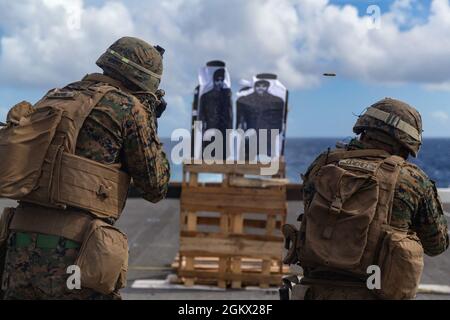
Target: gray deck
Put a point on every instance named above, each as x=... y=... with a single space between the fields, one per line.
x=153 y=231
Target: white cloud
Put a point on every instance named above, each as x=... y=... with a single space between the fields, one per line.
x=48 y=43
x=299 y=39
x=443 y=86
x=441 y=116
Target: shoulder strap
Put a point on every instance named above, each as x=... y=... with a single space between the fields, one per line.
x=387 y=175
x=82 y=113
x=76 y=105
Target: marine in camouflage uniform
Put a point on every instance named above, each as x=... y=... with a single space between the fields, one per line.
x=121 y=130
x=416 y=205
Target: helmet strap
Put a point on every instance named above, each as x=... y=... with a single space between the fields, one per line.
x=394 y=121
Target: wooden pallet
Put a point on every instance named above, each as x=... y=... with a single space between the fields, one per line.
x=251 y=270
x=230 y=231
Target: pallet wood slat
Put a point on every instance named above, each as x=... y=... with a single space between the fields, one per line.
x=242 y=277
x=248 y=223
x=236 y=247
x=215 y=188
x=237 y=201
x=244 y=169
x=213 y=236
x=231 y=210
x=252 y=265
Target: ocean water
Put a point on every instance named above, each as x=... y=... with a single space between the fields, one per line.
x=434 y=157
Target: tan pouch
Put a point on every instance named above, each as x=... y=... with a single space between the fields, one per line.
x=23 y=148
x=103 y=258
x=122 y=282
x=401 y=264
x=339 y=217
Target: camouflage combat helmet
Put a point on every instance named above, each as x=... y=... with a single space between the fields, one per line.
x=396 y=118
x=136 y=61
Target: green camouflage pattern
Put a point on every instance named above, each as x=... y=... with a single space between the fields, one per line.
x=405 y=112
x=416 y=205
x=139 y=52
x=41 y=274
x=18 y=111
x=120 y=130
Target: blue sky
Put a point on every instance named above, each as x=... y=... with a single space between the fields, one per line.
x=363 y=4
x=328 y=111
x=299 y=40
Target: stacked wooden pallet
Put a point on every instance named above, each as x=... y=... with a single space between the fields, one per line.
x=230 y=231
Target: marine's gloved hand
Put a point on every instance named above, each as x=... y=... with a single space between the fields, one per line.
x=154 y=102
x=162 y=105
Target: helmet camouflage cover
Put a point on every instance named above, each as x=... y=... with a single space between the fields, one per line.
x=22 y=109
x=396 y=118
x=135 y=60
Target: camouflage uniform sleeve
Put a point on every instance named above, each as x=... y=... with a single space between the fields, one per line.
x=430 y=222
x=145 y=159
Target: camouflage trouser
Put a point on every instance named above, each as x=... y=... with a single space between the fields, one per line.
x=330 y=292
x=34 y=273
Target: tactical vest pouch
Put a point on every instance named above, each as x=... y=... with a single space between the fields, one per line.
x=23 y=148
x=338 y=218
x=82 y=183
x=401 y=264
x=103 y=258
x=101 y=189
